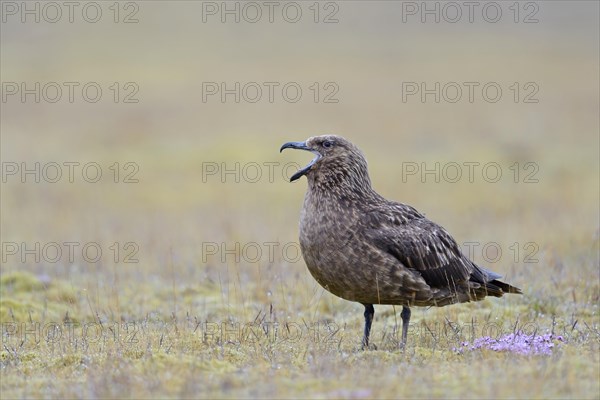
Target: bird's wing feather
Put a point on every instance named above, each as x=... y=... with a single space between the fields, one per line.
x=419 y=245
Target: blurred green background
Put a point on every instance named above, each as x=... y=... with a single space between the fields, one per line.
x=172 y=135
x=176 y=133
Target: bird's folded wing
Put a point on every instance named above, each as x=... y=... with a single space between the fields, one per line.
x=425 y=248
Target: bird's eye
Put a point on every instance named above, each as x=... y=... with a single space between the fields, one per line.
x=327 y=144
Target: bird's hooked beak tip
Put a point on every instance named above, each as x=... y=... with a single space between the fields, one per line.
x=294 y=145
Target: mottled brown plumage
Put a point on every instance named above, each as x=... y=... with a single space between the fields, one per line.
x=362 y=247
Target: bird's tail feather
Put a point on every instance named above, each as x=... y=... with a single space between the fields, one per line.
x=489 y=281
x=505 y=287
x=493 y=288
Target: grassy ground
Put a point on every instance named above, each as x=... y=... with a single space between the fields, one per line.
x=204 y=294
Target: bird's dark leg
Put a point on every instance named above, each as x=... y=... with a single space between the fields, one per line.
x=369 y=313
x=405 y=315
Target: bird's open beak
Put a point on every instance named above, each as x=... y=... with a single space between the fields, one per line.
x=301 y=146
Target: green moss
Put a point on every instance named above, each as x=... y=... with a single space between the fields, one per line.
x=24 y=298
x=13 y=310
x=60 y=292
x=18 y=281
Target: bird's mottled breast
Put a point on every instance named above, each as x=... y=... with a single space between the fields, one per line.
x=329 y=244
x=324 y=220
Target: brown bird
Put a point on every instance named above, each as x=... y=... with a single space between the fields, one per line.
x=361 y=247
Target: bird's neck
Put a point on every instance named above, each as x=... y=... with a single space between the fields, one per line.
x=336 y=185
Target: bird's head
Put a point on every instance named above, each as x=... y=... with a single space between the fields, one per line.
x=336 y=160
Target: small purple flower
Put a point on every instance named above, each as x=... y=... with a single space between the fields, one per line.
x=520 y=343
